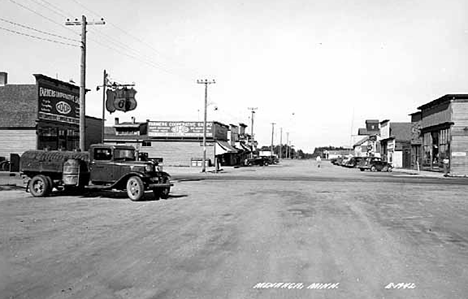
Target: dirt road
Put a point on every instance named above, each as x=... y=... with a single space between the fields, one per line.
x=285 y=231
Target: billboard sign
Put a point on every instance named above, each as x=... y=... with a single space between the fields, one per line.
x=58 y=103
x=179 y=129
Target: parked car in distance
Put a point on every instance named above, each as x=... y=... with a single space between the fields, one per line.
x=271 y=159
x=336 y=161
x=375 y=164
x=345 y=160
x=353 y=162
x=261 y=161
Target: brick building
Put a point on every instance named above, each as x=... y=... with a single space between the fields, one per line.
x=42 y=115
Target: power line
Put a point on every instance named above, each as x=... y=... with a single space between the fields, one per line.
x=49 y=7
x=37 y=37
x=57 y=8
x=41 y=15
x=135 y=38
x=40 y=31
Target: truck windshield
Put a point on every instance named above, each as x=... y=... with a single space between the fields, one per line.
x=124 y=154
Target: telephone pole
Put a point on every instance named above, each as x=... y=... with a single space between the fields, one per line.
x=206 y=82
x=104 y=86
x=287 y=144
x=281 y=144
x=83 y=24
x=272 y=137
x=252 y=109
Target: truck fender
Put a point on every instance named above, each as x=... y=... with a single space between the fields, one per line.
x=121 y=183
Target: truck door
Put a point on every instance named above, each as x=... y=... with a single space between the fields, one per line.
x=101 y=167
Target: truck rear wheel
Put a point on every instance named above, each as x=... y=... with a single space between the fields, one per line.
x=40 y=186
x=135 y=188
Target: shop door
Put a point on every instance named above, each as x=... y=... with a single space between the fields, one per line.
x=407 y=158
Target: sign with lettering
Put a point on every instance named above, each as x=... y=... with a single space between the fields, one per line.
x=179 y=129
x=58 y=103
x=458 y=154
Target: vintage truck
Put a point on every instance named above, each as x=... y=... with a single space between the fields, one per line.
x=104 y=167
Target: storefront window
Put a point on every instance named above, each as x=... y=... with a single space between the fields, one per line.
x=53 y=138
x=436 y=146
x=427 y=158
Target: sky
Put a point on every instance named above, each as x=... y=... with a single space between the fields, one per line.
x=316 y=69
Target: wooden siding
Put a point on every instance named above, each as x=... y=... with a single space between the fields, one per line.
x=459 y=163
x=17 y=141
x=93 y=133
x=416 y=137
x=460 y=118
x=436 y=115
x=178 y=153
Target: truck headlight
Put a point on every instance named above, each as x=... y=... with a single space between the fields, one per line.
x=149 y=168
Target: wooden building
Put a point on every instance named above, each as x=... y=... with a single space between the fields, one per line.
x=444 y=133
x=416 y=140
x=179 y=143
x=395 y=143
x=44 y=115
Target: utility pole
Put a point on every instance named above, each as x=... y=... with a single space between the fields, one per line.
x=83 y=24
x=281 y=144
x=104 y=85
x=206 y=82
x=252 y=109
x=272 y=137
x=287 y=144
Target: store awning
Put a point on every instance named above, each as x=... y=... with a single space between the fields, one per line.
x=223 y=147
x=245 y=147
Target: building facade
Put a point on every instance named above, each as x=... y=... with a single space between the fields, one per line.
x=44 y=115
x=179 y=143
x=444 y=134
x=416 y=140
x=395 y=143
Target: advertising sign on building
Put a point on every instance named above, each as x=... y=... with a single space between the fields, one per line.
x=179 y=129
x=58 y=103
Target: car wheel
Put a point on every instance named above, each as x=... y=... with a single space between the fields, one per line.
x=39 y=186
x=389 y=169
x=373 y=168
x=135 y=188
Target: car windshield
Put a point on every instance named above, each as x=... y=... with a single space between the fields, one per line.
x=124 y=154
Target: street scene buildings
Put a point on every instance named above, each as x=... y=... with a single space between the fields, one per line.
x=187 y=149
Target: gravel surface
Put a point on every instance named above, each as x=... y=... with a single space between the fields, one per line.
x=283 y=231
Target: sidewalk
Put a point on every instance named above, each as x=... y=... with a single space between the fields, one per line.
x=422 y=173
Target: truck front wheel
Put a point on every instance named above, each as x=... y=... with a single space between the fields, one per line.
x=135 y=188
x=161 y=193
x=40 y=186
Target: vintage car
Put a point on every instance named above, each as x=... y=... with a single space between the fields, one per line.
x=261 y=161
x=375 y=164
x=353 y=162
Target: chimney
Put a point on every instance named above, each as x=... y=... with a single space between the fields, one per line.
x=133 y=119
x=116 y=120
x=3 y=78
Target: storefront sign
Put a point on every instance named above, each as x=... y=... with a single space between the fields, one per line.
x=178 y=129
x=459 y=154
x=58 y=103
